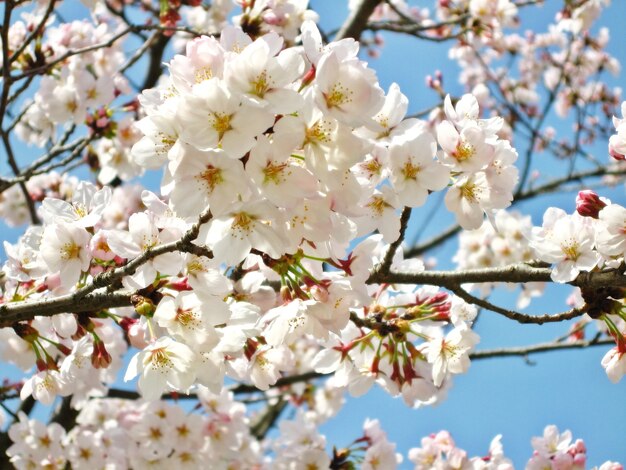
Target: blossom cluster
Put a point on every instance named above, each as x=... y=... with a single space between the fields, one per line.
x=283 y=146
x=553 y=450
x=120 y=434
x=592 y=237
x=502 y=241
x=511 y=73
x=287 y=171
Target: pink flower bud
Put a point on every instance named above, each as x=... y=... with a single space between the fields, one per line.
x=579 y=447
x=615 y=154
x=136 y=335
x=272 y=18
x=53 y=281
x=96 y=269
x=580 y=460
x=589 y=204
x=99 y=247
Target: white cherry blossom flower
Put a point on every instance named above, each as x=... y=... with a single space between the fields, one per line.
x=264 y=77
x=206 y=179
x=247 y=225
x=464 y=151
x=45 y=386
x=64 y=248
x=161 y=365
x=191 y=320
x=279 y=177
x=567 y=241
x=414 y=171
x=214 y=116
x=450 y=354
x=142 y=235
x=390 y=119
x=614 y=362
x=347 y=90
x=85 y=209
x=468 y=198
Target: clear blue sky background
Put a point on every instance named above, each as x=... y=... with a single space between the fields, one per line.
x=507 y=396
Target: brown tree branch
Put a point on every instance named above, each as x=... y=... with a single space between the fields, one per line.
x=385 y=264
x=537 y=348
x=357 y=21
x=512 y=314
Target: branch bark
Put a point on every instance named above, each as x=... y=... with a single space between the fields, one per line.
x=357 y=21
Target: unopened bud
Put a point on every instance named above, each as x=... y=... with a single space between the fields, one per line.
x=143 y=305
x=589 y=204
x=26 y=332
x=80 y=332
x=100 y=357
x=580 y=461
x=374 y=369
x=126 y=323
x=63 y=349
x=285 y=294
x=41 y=365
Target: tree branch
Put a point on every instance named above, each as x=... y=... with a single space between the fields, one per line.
x=385 y=264
x=513 y=315
x=537 y=348
x=357 y=21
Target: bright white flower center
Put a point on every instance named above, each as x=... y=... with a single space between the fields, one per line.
x=464 y=151
x=274 y=173
x=243 y=224
x=195 y=267
x=220 y=123
x=47 y=384
x=338 y=96
x=571 y=250
x=318 y=133
x=261 y=84
x=187 y=318
x=378 y=205
x=410 y=171
x=167 y=142
x=71 y=106
x=210 y=178
x=160 y=361
x=79 y=209
x=372 y=167
x=449 y=350
x=470 y=191
x=148 y=242
x=70 y=251
x=202 y=74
